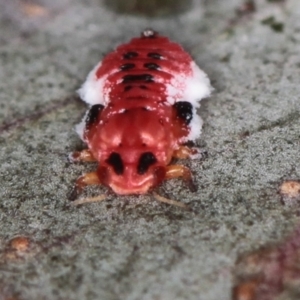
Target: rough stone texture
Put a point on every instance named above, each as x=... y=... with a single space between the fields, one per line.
x=133 y=247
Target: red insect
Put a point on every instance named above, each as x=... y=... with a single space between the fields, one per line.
x=143 y=98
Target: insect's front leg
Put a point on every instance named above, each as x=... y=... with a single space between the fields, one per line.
x=83 y=181
x=82 y=156
x=175 y=171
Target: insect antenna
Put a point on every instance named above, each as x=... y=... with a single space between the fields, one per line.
x=171 y=201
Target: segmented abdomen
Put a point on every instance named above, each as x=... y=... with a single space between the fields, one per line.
x=149 y=66
x=151 y=71
x=143 y=68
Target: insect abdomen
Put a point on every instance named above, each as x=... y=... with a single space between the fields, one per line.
x=143 y=99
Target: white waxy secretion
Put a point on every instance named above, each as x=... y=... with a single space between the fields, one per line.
x=191 y=87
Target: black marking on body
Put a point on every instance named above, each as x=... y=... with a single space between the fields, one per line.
x=154 y=55
x=127 y=88
x=116 y=162
x=93 y=115
x=126 y=67
x=146 y=160
x=130 y=55
x=139 y=77
x=184 y=111
x=151 y=66
x=143 y=87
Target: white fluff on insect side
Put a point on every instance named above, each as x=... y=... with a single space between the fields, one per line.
x=191 y=88
x=197 y=86
x=91 y=91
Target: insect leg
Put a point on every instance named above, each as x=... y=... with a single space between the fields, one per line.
x=83 y=181
x=185 y=152
x=82 y=156
x=175 y=171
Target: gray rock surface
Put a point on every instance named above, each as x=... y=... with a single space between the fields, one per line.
x=133 y=247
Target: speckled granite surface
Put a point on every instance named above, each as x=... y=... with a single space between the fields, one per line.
x=133 y=247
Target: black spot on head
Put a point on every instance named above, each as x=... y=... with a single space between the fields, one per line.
x=116 y=162
x=126 y=67
x=184 y=111
x=93 y=115
x=154 y=55
x=130 y=54
x=146 y=160
x=139 y=77
x=151 y=66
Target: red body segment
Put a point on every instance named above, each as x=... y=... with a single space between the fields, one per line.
x=174 y=60
x=138 y=117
